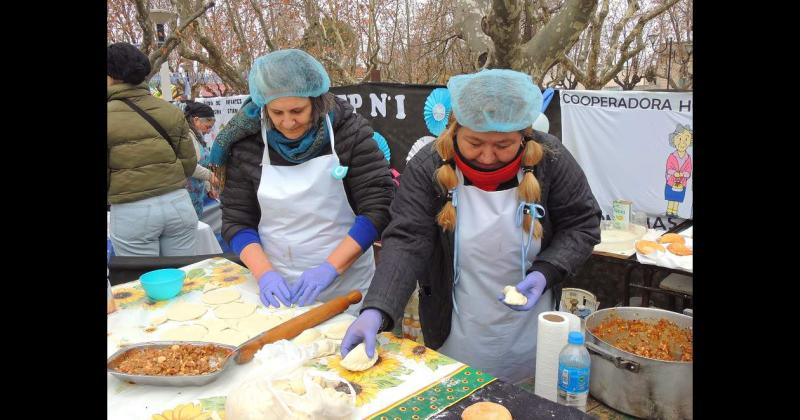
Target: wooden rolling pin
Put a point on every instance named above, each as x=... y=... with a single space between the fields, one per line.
x=293 y=327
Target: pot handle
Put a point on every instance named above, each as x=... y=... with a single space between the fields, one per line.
x=618 y=361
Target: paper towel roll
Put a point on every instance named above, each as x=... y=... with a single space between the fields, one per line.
x=551 y=337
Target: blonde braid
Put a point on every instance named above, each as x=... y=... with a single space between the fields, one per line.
x=445 y=175
x=529 y=190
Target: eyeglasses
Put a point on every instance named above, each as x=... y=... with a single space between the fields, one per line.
x=208 y=120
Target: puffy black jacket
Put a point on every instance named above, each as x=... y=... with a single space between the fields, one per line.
x=368 y=183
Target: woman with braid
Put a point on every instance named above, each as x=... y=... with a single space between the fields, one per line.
x=491 y=203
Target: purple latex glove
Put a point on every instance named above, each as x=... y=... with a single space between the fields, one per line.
x=272 y=285
x=532 y=287
x=364 y=328
x=312 y=282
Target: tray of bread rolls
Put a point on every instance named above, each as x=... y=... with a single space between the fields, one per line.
x=670 y=250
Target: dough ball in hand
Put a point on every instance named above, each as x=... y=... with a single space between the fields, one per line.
x=513 y=296
x=486 y=410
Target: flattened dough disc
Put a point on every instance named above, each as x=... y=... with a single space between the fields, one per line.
x=227 y=336
x=222 y=295
x=185 y=311
x=257 y=323
x=337 y=330
x=234 y=310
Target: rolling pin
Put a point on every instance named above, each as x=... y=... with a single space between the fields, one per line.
x=293 y=327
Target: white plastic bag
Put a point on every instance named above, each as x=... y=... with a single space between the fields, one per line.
x=280 y=387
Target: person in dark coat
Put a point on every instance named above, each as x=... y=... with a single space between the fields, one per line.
x=303 y=211
x=490 y=206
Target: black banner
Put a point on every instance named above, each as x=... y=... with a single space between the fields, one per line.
x=395 y=111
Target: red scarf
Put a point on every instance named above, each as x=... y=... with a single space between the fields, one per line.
x=488 y=180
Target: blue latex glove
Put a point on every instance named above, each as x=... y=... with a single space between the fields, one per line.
x=532 y=287
x=312 y=282
x=272 y=285
x=364 y=328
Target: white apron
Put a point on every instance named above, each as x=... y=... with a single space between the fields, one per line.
x=304 y=217
x=484 y=332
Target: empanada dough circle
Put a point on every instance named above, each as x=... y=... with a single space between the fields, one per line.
x=234 y=310
x=227 y=336
x=308 y=336
x=222 y=295
x=257 y=323
x=337 y=330
x=183 y=311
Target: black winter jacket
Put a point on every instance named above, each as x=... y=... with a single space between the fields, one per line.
x=415 y=247
x=368 y=182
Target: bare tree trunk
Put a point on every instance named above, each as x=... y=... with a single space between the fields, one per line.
x=503 y=28
x=527 y=22
x=556 y=38
x=469 y=17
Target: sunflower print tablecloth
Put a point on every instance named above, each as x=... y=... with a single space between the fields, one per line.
x=409 y=381
x=218 y=269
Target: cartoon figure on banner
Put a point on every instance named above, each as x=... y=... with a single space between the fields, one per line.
x=679 y=168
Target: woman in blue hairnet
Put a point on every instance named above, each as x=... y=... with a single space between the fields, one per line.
x=307 y=190
x=490 y=203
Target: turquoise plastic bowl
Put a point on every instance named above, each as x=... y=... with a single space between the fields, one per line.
x=162 y=284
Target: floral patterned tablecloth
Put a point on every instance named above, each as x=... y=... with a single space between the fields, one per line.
x=409 y=381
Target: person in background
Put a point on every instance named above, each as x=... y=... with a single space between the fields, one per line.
x=307 y=190
x=201 y=119
x=151 y=212
x=490 y=203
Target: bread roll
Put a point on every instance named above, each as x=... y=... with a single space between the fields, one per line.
x=486 y=410
x=648 y=247
x=671 y=238
x=679 y=249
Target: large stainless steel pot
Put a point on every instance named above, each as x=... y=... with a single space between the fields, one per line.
x=635 y=385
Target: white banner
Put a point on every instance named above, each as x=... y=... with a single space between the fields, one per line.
x=224 y=109
x=635 y=146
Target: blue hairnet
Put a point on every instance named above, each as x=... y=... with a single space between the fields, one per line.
x=495 y=100
x=286 y=73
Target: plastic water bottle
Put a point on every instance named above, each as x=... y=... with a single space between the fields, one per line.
x=573 y=373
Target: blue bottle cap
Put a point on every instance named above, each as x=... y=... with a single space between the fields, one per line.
x=575 y=337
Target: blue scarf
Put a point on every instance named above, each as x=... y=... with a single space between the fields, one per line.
x=302 y=149
x=245 y=123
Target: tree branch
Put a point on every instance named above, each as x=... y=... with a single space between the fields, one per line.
x=159 y=55
x=572 y=68
x=143 y=17
x=246 y=57
x=263 y=24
